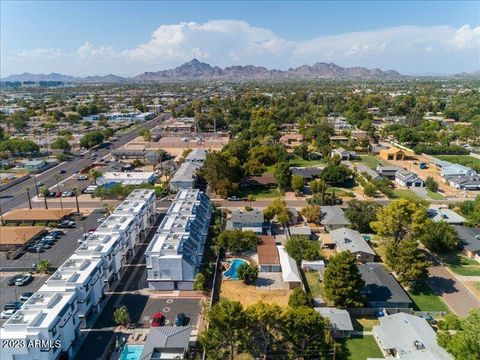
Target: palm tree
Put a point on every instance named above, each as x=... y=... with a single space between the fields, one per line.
x=75 y=192
x=27 y=189
x=45 y=192
x=57 y=179
x=250 y=198
x=108 y=209
x=94 y=175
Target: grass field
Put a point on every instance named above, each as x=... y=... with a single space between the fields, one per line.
x=316 y=288
x=340 y=192
x=462 y=265
x=260 y=192
x=426 y=300
x=299 y=162
x=406 y=194
x=360 y=348
x=465 y=160
x=364 y=323
x=435 y=195
x=370 y=161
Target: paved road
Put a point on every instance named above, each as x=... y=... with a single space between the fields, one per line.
x=452 y=291
x=16 y=196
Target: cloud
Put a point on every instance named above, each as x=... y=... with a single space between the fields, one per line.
x=409 y=49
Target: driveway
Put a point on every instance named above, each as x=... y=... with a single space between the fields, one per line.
x=452 y=291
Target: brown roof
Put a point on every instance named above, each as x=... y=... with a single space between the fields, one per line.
x=326 y=239
x=36 y=214
x=291 y=136
x=264 y=180
x=267 y=251
x=18 y=235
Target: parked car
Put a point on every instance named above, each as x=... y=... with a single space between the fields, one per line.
x=62 y=171
x=68 y=194
x=158 y=319
x=7 y=314
x=49 y=238
x=25 y=296
x=92 y=230
x=82 y=177
x=181 y=319
x=40 y=184
x=58 y=194
x=46 y=245
x=12 y=279
x=234 y=198
x=66 y=224
x=100 y=220
x=24 y=280
x=52 y=194
x=57 y=233
x=13 y=305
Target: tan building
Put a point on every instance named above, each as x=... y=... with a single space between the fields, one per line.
x=13 y=237
x=32 y=216
x=395 y=153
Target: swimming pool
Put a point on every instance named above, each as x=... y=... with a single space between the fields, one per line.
x=131 y=352
x=231 y=273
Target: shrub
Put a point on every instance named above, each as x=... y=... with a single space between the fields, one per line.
x=248 y=273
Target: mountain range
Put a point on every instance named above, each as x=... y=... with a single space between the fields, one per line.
x=195 y=70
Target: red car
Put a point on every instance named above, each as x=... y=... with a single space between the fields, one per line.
x=158 y=319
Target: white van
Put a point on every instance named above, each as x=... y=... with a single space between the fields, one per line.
x=90 y=189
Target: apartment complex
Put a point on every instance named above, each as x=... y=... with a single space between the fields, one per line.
x=175 y=254
x=48 y=324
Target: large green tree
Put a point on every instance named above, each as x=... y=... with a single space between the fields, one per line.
x=283 y=175
x=361 y=214
x=237 y=240
x=300 y=249
x=336 y=174
x=439 y=237
x=91 y=139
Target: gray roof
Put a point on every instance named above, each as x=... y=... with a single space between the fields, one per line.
x=197 y=155
x=437 y=213
x=411 y=337
x=381 y=169
x=186 y=172
x=365 y=169
x=339 y=318
x=466 y=180
x=333 y=215
x=404 y=175
x=243 y=216
x=348 y=239
x=470 y=237
x=166 y=337
x=306 y=172
x=380 y=285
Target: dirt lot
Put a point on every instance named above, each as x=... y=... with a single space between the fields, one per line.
x=248 y=294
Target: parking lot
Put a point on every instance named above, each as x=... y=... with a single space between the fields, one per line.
x=59 y=252
x=170 y=308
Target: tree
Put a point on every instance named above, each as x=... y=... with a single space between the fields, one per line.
x=145 y=133
x=121 y=316
x=76 y=191
x=108 y=208
x=336 y=174
x=300 y=249
x=199 y=282
x=250 y=198
x=237 y=240
x=361 y=214
x=369 y=189
x=431 y=184
x=298 y=183
x=91 y=139
x=312 y=213
x=450 y=322
x=298 y=298
x=318 y=186
x=44 y=266
x=45 y=192
x=248 y=273
x=439 y=237
x=343 y=282
x=19 y=120
x=283 y=175
x=27 y=189
x=223 y=172
x=464 y=344
x=61 y=143
x=399 y=219
x=278 y=208
x=94 y=174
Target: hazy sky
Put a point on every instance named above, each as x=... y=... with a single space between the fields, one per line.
x=130 y=37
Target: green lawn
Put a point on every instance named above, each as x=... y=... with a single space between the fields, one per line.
x=370 y=161
x=406 y=194
x=260 y=192
x=299 y=162
x=360 y=348
x=364 y=323
x=462 y=265
x=340 y=192
x=313 y=280
x=426 y=300
x=435 y=195
x=465 y=160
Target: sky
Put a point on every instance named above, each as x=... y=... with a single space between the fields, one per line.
x=130 y=37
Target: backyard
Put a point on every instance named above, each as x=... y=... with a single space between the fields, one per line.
x=426 y=300
x=314 y=284
x=370 y=161
x=365 y=323
x=359 y=348
x=248 y=294
x=465 y=160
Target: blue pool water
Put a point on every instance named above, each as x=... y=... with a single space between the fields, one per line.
x=131 y=352
x=231 y=273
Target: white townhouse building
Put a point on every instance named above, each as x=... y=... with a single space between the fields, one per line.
x=125 y=225
x=147 y=196
x=45 y=327
x=175 y=254
x=110 y=248
x=83 y=276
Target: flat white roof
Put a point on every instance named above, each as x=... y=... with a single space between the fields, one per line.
x=74 y=271
x=116 y=223
x=99 y=243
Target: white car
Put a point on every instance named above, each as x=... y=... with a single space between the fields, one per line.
x=100 y=220
x=83 y=177
x=24 y=279
x=7 y=314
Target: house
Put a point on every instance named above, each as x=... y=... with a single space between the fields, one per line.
x=367 y=172
x=264 y=180
x=145 y=155
x=467 y=182
x=291 y=140
x=381 y=288
x=197 y=156
x=333 y=217
x=127 y=178
x=388 y=171
x=339 y=321
x=33 y=165
x=344 y=154
x=252 y=220
x=185 y=176
x=268 y=258
x=175 y=254
x=470 y=238
x=301 y=231
x=456 y=170
x=443 y=213
x=344 y=239
x=395 y=153
x=290 y=274
x=308 y=173
x=408 y=179
x=408 y=337
x=167 y=342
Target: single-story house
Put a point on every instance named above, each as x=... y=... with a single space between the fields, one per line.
x=344 y=239
x=33 y=165
x=301 y=231
x=456 y=170
x=388 y=171
x=381 y=288
x=32 y=216
x=291 y=139
x=470 y=238
x=265 y=180
x=290 y=274
x=268 y=259
x=167 y=342
x=253 y=220
x=14 y=237
x=366 y=171
x=408 y=179
x=395 y=153
x=344 y=154
x=339 y=321
x=333 y=217
x=443 y=213
x=185 y=176
x=467 y=182
x=308 y=173
x=405 y=336
x=197 y=156
x=314 y=265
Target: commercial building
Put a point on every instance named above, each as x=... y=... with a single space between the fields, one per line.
x=14 y=237
x=32 y=216
x=175 y=254
x=127 y=178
